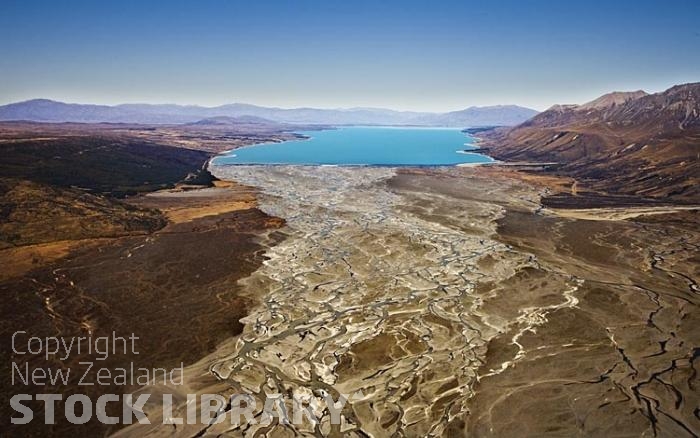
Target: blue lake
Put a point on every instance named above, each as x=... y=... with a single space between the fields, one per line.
x=364 y=146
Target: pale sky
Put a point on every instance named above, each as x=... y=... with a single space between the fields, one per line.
x=409 y=55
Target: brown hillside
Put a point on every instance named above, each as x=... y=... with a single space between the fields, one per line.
x=622 y=143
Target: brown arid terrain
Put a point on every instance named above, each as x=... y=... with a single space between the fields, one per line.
x=451 y=302
x=108 y=230
x=447 y=301
x=636 y=147
x=216 y=134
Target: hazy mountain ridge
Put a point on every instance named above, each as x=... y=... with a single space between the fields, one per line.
x=503 y=115
x=44 y=110
x=236 y=121
x=627 y=143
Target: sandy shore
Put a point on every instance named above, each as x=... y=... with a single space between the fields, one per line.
x=450 y=302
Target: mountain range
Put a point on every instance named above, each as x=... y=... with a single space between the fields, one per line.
x=44 y=110
x=626 y=143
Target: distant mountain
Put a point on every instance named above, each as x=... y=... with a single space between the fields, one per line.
x=634 y=143
x=500 y=115
x=43 y=110
x=233 y=121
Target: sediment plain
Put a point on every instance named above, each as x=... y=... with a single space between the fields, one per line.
x=449 y=301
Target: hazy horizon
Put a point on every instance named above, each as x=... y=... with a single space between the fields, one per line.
x=336 y=107
x=256 y=104
x=406 y=56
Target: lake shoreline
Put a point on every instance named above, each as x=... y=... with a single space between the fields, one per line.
x=361 y=151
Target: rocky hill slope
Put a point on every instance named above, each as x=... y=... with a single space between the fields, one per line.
x=633 y=144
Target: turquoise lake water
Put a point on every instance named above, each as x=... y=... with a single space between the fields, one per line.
x=364 y=146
